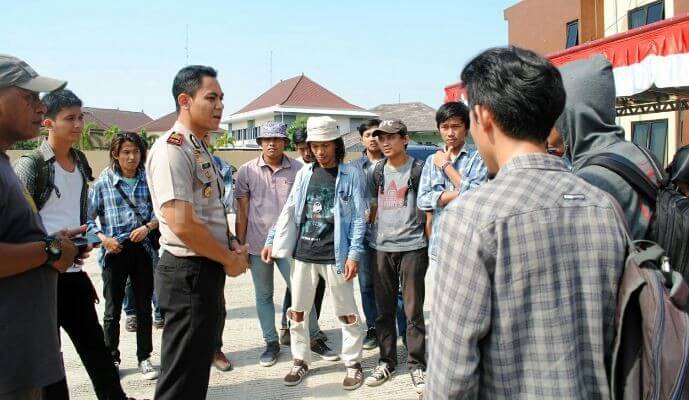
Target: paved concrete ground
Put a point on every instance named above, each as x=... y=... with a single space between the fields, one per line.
x=243 y=343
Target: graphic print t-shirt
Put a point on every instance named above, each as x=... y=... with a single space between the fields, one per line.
x=316 y=242
x=400 y=225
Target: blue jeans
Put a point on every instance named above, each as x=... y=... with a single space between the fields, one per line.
x=368 y=299
x=262 y=276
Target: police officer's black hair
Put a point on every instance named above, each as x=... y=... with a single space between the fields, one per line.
x=59 y=100
x=188 y=80
x=371 y=123
x=452 y=109
x=116 y=146
x=300 y=136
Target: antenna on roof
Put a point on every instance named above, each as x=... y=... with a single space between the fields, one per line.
x=186 y=45
x=399 y=98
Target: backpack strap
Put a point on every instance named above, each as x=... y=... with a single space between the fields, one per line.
x=628 y=171
x=41 y=189
x=415 y=175
x=379 y=176
x=85 y=162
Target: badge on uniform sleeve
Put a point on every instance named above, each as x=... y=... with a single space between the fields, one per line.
x=176 y=138
x=207 y=192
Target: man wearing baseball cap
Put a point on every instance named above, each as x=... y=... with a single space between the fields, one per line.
x=30 y=358
x=327 y=206
x=263 y=185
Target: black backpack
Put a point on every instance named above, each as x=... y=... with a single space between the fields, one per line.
x=414 y=176
x=669 y=226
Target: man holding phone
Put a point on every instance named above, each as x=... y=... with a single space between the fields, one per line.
x=60 y=196
x=30 y=358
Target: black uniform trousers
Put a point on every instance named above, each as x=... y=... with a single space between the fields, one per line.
x=190 y=295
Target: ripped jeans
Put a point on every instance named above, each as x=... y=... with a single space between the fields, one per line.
x=304 y=277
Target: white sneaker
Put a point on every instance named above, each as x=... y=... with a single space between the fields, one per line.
x=147 y=371
x=379 y=375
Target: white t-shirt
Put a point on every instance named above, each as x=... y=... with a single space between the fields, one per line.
x=63 y=208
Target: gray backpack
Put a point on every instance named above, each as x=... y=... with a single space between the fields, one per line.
x=651 y=350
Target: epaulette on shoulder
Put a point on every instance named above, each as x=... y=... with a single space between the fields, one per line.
x=176 y=138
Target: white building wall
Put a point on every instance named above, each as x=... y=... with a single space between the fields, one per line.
x=615 y=13
x=616 y=21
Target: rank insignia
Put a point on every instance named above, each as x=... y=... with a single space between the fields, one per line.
x=176 y=138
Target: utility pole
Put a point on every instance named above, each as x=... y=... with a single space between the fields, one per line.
x=271 y=69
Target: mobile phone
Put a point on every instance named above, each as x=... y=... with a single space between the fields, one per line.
x=86 y=239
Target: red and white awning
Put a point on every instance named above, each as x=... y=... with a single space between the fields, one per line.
x=652 y=55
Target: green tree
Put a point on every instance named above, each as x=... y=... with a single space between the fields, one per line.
x=84 y=142
x=224 y=140
x=148 y=139
x=299 y=123
x=110 y=133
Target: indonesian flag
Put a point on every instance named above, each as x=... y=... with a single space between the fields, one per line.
x=652 y=55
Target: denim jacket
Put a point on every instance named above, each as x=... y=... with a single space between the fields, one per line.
x=434 y=182
x=350 y=225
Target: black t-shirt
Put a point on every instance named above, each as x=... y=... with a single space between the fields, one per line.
x=316 y=242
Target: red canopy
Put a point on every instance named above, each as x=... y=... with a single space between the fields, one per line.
x=652 y=56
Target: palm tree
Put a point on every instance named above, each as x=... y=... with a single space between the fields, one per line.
x=224 y=140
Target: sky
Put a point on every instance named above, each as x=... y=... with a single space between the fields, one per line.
x=124 y=54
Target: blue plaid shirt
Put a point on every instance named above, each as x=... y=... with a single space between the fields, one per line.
x=116 y=218
x=434 y=182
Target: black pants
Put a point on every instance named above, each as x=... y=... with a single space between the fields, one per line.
x=318 y=301
x=408 y=269
x=133 y=262
x=189 y=291
x=76 y=314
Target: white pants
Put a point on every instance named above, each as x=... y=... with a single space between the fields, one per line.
x=304 y=278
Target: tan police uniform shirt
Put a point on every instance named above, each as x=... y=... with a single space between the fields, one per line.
x=179 y=167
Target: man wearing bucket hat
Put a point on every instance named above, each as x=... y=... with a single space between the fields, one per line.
x=31 y=358
x=263 y=185
x=327 y=206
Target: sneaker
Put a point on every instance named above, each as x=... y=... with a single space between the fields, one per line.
x=284 y=337
x=220 y=362
x=130 y=324
x=159 y=323
x=379 y=375
x=371 y=339
x=319 y=348
x=322 y=336
x=147 y=371
x=354 y=377
x=296 y=374
x=418 y=379
x=270 y=356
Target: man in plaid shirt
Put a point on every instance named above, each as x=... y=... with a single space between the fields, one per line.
x=524 y=293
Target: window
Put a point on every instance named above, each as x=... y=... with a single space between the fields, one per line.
x=647 y=14
x=653 y=136
x=572 y=34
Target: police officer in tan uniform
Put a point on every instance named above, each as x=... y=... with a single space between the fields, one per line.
x=198 y=247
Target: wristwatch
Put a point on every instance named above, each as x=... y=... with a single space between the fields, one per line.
x=445 y=164
x=53 y=248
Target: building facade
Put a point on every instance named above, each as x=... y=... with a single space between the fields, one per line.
x=568 y=23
